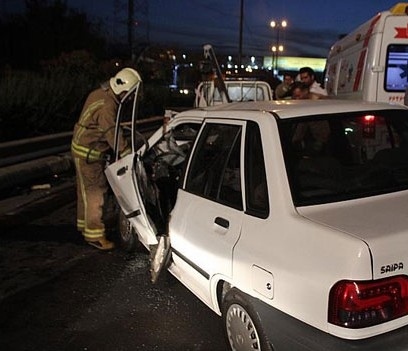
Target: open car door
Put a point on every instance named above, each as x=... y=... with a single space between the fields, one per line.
x=136 y=179
x=123 y=173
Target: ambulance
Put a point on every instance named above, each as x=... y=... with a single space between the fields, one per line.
x=371 y=63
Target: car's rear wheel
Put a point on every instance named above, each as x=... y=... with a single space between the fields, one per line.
x=127 y=235
x=242 y=327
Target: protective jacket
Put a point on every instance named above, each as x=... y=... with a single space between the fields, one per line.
x=92 y=140
x=94 y=132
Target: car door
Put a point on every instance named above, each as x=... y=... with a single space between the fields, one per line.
x=122 y=174
x=206 y=221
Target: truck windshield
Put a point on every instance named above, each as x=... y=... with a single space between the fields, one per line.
x=345 y=156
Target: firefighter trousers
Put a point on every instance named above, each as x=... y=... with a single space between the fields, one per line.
x=92 y=187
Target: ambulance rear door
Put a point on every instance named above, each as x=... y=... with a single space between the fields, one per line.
x=393 y=80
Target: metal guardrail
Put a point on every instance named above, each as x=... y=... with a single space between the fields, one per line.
x=36 y=174
x=28 y=160
x=18 y=151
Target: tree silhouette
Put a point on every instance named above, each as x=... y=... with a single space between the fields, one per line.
x=44 y=31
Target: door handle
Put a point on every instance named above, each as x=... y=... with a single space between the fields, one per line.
x=122 y=171
x=222 y=222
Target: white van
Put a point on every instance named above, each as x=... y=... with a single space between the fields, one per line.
x=371 y=63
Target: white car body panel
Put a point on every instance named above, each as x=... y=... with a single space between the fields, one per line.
x=128 y=196
x=273 y=253
x=295 y=255
x=202 y=243
x=294 y=258
x=380 y=221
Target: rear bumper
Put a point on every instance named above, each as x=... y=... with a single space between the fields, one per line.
x=288 y=333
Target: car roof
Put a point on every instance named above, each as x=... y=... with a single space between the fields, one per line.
x=296 y=108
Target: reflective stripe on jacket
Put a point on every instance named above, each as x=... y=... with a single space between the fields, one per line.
x=86 y=153
x=94 y=132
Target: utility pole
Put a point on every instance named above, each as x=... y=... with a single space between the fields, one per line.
x=130 y=25
x=241 y=24
x=141 y=25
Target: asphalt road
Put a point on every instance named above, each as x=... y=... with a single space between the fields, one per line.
x=58 y=293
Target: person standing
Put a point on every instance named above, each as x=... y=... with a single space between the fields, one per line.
x=282 y=91
x=308 y=77
x=93 y=138
x=300 y=91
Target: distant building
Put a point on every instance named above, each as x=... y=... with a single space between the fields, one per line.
x=288 y=63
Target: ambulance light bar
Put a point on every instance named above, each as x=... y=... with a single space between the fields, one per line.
x=400 y=8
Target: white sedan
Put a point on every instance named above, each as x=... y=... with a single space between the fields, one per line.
x=289 y=219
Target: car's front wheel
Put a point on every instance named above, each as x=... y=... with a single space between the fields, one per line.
x=242 y=327
x=127 y=235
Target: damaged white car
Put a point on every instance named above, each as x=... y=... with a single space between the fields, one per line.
x=288 y=219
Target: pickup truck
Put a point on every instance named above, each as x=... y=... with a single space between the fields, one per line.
x=220 y=91
x=207 y=93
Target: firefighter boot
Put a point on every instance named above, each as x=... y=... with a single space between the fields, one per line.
x=102 y=244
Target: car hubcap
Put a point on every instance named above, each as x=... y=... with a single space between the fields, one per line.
x=125 y=228
x=241 y=331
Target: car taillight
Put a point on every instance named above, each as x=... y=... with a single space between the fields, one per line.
x=360 y=304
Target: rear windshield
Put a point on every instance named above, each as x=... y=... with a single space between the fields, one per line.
x=345 y=156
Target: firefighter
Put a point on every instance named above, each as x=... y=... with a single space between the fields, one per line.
x=92 y=141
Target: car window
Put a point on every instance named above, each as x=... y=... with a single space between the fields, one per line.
x=257 y=200
x=172 y=148
x=215 y=171
x=344 y=156
x=163 y=165
x=124 y=119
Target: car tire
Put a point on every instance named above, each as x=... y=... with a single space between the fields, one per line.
x=242 y=327
x=128 y=239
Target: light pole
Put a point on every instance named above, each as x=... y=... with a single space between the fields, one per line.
x=275 y=54
x=276 y=49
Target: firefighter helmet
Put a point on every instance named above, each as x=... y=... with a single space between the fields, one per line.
x=124 y=80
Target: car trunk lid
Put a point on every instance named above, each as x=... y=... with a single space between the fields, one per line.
x=380 y=221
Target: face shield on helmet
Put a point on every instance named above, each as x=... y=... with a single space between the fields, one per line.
x=124 y=80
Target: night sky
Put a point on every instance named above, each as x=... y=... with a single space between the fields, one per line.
x=313 y=27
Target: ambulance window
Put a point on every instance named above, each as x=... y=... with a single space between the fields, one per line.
x=396 y=70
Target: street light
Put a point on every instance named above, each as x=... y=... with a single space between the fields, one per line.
x=275 y=54
x=278 y=47
x=282 y=24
